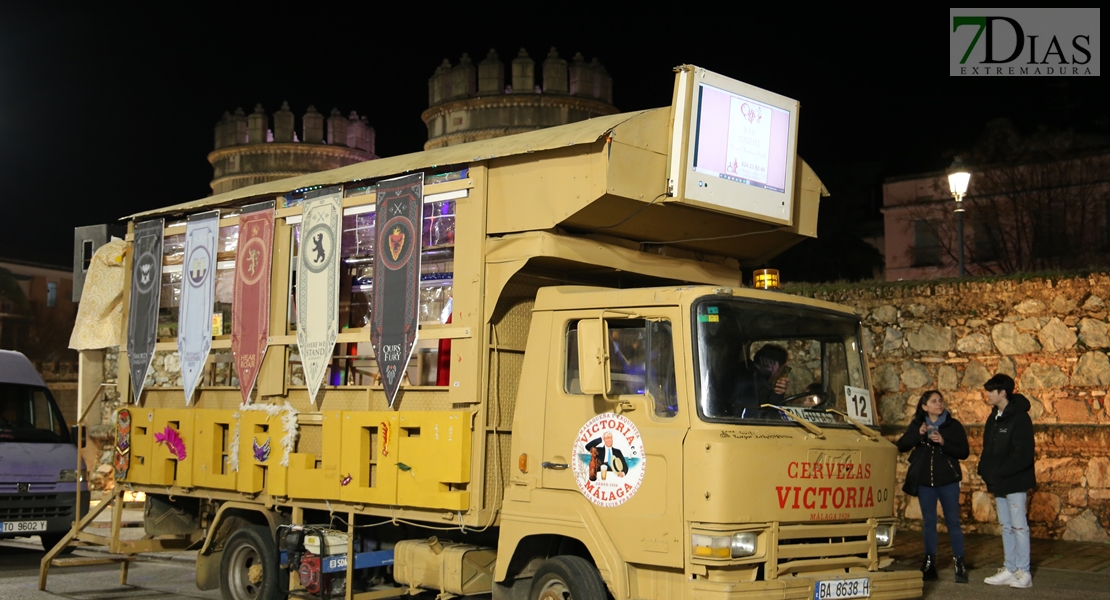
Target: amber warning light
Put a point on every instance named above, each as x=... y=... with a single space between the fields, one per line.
x=766 y=279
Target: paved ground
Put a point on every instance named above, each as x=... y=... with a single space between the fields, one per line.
x=984 y=554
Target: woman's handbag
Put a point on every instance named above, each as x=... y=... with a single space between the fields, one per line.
x=913 y=474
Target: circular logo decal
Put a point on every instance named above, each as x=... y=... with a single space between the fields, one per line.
x=145 y=270
x=397 y=238
x=318 y=247
x=253 y=263
x=609 y=459
x=197 y=266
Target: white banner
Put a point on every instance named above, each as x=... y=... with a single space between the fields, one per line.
x=318 y=286
x=198 y=287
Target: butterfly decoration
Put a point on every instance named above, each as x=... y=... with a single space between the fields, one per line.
x=173 y=441
x=261 y=453
x=346 y=480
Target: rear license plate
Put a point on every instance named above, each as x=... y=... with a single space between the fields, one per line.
x=842 y=588
x=23 y=526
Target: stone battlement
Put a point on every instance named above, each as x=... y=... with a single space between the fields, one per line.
x=239 y=129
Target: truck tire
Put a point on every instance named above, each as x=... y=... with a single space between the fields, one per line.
x=249 y=567
x=567 y=578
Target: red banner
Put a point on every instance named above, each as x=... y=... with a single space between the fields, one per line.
x=250 y=311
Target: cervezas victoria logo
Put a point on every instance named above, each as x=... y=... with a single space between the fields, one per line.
x=1025 y=42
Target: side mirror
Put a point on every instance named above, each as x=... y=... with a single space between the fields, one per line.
x=593 y=356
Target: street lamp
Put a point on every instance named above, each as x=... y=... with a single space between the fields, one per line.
x=958 y=178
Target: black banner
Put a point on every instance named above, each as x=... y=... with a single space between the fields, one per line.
x=146 y=290
x=397 y=243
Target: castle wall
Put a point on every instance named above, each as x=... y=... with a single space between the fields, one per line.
x=1050 y=334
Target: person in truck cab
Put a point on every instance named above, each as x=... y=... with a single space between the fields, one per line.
x=764 y=380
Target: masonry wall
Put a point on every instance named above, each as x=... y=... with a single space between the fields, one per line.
x=1049 y=334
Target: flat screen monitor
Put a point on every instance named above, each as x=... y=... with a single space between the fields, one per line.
x=740 y=151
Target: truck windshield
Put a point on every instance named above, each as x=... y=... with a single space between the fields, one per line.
x=751 y=353
x=28 y=414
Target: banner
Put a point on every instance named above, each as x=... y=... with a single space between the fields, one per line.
x=250 y=310
x=397 y=243
x=318 y=286
x=198 y=293
x=146 y=290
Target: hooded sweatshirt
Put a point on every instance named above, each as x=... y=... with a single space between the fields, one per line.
x=1006 y=464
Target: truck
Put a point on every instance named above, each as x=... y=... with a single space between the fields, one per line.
x=42 y=488
x=587 y=409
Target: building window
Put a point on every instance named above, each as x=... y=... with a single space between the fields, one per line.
x=1050 y=231
x=86 y=255
x=984 y=245
x=51 y=294
x=926 y=244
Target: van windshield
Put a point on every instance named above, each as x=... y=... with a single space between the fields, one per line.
x=749 y=353
x=28 y=414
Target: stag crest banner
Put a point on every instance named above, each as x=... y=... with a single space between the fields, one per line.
x=146 y=290
x=198 y=293
x=318 y=286
x=250 y=310
x=397 y=243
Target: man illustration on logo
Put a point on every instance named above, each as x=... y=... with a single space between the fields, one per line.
x=318 y=247
x=605 y=458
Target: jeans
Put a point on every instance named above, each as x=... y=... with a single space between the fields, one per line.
x=1015 y=530
x=949 y=496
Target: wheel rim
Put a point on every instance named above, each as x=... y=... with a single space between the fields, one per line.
x=555 y=589
x=242 y=585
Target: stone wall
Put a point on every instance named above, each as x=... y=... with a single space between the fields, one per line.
x=1049 y=334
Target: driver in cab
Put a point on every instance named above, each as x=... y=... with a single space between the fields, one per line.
x=764 y=380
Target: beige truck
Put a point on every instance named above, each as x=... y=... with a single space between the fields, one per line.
x=615 y=414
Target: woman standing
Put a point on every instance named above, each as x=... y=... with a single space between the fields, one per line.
x=939 y=443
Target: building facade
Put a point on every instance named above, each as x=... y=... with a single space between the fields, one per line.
x=468 y=102
x=249 y=150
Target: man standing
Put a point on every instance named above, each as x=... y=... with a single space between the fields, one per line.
x=612 y=459
x=1006 y=466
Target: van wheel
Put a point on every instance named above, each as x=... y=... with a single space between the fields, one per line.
x=49 y=540
x=567 y=578
x=249 y=566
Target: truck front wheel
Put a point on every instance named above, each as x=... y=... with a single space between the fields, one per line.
x=249 y=566
x=567 y=578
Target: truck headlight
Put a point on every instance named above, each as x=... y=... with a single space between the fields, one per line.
x=724 y=546
x=884 y=535
x=70 y=475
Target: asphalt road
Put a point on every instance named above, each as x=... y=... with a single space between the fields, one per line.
x=160 y=579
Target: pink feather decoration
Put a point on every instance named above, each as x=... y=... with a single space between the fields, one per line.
x=173 y=441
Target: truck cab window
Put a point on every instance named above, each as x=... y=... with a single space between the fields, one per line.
x=641 y=362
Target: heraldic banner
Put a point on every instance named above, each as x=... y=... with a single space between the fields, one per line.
x=146 y=290
x=250 y=310
x=198 y=293
x=396 y=295
x=318 y=286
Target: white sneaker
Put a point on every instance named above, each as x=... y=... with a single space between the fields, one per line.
x=1002 y=577
x=1022 y=579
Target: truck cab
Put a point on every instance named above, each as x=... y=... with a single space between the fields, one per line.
x=38 y=459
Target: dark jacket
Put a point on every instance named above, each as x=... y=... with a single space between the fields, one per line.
x=1006 y=465
x=933 y=464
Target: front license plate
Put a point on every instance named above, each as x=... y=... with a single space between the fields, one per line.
x=842 y=588
x=23 y=526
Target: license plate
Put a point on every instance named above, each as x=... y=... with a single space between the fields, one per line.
x=842 y=588
x=23 y=526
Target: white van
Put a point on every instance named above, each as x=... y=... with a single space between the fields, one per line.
x=38 y=457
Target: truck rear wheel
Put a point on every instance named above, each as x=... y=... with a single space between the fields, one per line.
x=249 y=566
x=567 y=578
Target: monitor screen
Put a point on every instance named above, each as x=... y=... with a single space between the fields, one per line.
x=740 y=139
x=738 y=154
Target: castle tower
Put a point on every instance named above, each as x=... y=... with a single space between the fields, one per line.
x=462 y=110
x=247 y=151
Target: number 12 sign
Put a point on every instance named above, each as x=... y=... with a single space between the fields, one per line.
x=859 y=404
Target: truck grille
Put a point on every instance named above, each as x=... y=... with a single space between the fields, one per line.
x=824 y=547
x=33 y=506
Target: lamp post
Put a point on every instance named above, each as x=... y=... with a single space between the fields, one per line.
x=958 y=178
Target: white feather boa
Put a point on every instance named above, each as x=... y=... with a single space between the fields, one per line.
x=288 y=422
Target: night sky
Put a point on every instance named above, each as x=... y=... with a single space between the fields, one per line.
x=103 y=115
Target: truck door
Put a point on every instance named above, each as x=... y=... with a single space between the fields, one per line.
x=627 y=464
